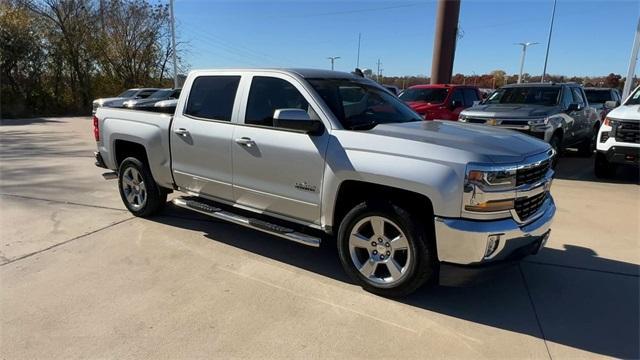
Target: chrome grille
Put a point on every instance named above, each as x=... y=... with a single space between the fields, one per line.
x=525 y=207
x=532 y=174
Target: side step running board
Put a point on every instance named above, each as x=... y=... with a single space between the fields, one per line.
x=194 y=204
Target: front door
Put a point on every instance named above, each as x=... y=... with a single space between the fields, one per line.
x=276 y=170
x=201 y=137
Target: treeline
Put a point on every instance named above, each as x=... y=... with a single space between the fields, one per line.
x=56 y=56
x=499 y=78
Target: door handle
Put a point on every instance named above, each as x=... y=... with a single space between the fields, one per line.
x=245 y=141
x=181 y=132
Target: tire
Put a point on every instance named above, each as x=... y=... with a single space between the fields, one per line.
x=602 y=167
x=556 y=144
x=138 y=190
x=413 y=262
x=588 y=146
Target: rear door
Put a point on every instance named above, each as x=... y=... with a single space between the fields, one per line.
x=276 y=170
x=457 y=96
x=201 y=136
x=581 y=117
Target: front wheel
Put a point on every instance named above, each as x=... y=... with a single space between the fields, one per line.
x=385 y=250
x=138 y=190
x=602 y=167
x=588 y=146
x=556 y=144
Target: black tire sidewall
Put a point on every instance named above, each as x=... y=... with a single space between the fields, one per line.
x=423 y=266
x=156 y=198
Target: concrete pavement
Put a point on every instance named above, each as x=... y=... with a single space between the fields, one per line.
x=81 y=278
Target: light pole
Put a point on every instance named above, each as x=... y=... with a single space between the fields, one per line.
x=546 y=57
x=333 y=59
x=524 y=53
x=173 y=46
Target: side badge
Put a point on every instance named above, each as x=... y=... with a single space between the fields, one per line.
x=305 y=186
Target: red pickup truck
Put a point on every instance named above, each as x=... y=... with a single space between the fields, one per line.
x=440 y=101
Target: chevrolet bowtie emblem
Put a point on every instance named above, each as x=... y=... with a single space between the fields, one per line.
x=492 y=122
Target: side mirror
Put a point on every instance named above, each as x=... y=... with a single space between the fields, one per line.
x=456 y=104
x=611 y=104
x=296 y=120
x=574 y=107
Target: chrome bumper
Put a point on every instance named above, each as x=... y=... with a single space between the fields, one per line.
x=461 y=241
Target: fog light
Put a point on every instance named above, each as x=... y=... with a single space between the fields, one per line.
x=604 y=136
x=492 y=245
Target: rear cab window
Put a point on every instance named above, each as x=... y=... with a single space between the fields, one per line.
x=212 y=97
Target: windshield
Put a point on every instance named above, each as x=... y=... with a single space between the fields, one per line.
x=634 y=99
x=161 y=94
x=359 y=105
x=598 y=96
x=128 y=93
x=535 y=95
x=434 y=96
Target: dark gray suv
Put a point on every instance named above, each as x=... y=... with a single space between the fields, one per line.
x=556 y=113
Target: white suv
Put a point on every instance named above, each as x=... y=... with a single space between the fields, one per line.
x=619 y=136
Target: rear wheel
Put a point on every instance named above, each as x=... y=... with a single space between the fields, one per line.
x=602 y=167
x=385 y=250
x=139 y=192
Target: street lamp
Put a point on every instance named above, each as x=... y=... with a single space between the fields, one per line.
x=333 y=59
x=524 y=53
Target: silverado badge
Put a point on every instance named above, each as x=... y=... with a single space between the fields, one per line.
x=305 y=186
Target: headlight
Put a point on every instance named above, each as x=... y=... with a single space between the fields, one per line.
x=462 y=118
x=489 y=190
x=538 y=122
x=609 y=122
x=495 y=178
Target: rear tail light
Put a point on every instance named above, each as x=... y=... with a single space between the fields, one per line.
x=96 y=129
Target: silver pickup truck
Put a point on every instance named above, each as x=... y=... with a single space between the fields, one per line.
x=308 y=155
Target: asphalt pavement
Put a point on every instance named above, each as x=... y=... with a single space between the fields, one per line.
x=82 y=278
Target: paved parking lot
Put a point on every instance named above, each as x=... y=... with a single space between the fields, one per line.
x=80 y=277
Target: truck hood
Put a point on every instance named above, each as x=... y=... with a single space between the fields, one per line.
x=475 y=142
x=511 y=111
x=625 y=112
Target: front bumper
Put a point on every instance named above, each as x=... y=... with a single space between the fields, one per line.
x=463 y=242
x=623 y=155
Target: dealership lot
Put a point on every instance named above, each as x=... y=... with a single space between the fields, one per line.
x=80 y=277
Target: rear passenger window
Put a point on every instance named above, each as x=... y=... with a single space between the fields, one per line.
x=212 y=97
x=577 y=96
x=145 y=94
x=470 y=95
x=268 y=94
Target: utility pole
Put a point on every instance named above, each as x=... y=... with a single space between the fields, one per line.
x=632 y=63
x=444 y=43
x=546 y=57
x=378 y=72
x=524 y=53
x=358 y=60
x=173 y=46
x=333 y=59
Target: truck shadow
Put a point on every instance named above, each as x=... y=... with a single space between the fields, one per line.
x=574 y=167
x=550 y=296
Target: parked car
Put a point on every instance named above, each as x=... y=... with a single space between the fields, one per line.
x=119 y=100
x=440 y=102
x=619 y=136
x=556 y=113
x=160 y=95
x=282 y=152
x=597 y=97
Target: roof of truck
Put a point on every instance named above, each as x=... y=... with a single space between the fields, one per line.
x=306 y=73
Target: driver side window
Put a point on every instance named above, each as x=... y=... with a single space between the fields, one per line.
x=267 y=94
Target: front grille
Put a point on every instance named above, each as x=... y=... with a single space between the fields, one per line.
x=532 y=174
x=627 y=131
x=476 y=120
x=525 y=207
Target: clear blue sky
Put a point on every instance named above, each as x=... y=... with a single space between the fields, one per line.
x=590 y=37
